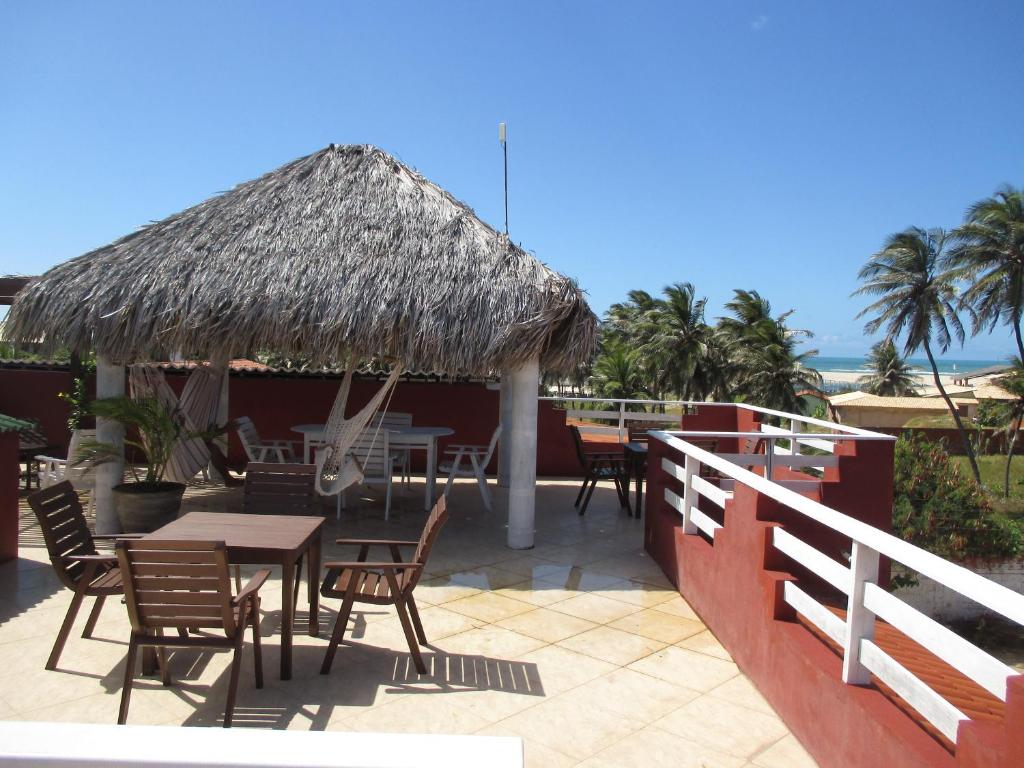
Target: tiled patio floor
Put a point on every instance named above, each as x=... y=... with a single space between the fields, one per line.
x=580 y=646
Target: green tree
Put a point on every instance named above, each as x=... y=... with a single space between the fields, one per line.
x=616 y=373
x=989 y=255
x=676 y=340
x=917 y=300
x=890 y=375
x=769 y=369
x=1012 y=414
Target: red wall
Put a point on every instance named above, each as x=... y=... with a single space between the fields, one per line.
x=9 y=471
x=735 y=585
x=275 y=404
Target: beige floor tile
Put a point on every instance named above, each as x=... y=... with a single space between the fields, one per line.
x=558 y=669
x=490 y=641
x=632 y=694
x=442 y=589
x=582 y=580
x=705 y=642
x=724 y=726
x=658 y=625
x=612 y=645
x=549 y=626
x=535 y=754
x=439 y=623
x=677 y=606
x=564 y=726
x=416 y=714
x=638 y=593
x=686 y=668
x=529 y=567
x=488 y=607
x=654 y=747
x=638 y=565
x=741 y=691
x=537 y=592
x=599 y=610
x=787 y=752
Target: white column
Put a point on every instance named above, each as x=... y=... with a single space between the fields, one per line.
x=524 y=384
x=109 y=383
x=504 y=441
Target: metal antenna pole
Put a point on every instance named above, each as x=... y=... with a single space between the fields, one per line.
x=502 y=137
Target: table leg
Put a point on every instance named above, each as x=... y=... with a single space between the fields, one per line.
x=305 y=447
x=639 y=490
x=313 y=585
x=287 y=615
x=431 y=473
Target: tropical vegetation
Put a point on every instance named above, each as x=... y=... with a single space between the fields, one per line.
x=890 y=375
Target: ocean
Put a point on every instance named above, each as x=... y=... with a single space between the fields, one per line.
x=857 y=364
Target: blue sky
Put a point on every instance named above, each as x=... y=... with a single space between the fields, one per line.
x=764 y=145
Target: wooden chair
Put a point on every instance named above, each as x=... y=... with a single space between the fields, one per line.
x=257 y=449
x=185 y=585
x=478 y=457
x=383 y=583
x=603 y=465
x=73 y=553
x=280 y=489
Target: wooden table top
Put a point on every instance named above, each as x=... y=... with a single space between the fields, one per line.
x=284 y=533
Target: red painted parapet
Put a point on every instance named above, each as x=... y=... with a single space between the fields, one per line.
x=9 y=471
x=735 y=583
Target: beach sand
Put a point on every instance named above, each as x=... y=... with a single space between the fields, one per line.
x=850 y=377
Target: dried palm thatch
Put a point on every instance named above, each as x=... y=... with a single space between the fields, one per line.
x=345 y=251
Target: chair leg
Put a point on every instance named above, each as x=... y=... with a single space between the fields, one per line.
x=387 y=500
x=456 y=465
x=65 y=628
x=403 y=617
x=481 y=481
x=129 y=674
x=586 y=501
x=583 y=488
x=236 y=662
x=414 y=614
x=238 y=579
x=340 y=623
x=161 y=660
x=298 y=581
x=257 y=646
x=94 y=616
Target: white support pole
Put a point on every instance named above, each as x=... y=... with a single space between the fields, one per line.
x=691 y=469
x=109 y=383
x=221 y=441
x=860 y=622
x=504 y=440
x=795 y=426
x=523 y=387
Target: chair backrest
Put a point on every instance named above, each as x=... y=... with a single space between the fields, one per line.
x=491 y=446
x=248 y=436
x=640 y=433
x=391 y=420
x=435 y=521
x=80 y=473
x=577 y=441
x=32 y=439
x=280 y=489
x=178 y=584
x=65 y=531
x=372 y=450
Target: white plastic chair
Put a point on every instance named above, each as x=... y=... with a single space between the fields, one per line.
x=53 y=470
x=264 y=451
x=396 y=421
x=378 y=462
x=478 y=456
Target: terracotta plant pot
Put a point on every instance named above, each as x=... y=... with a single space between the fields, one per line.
x=144 y=507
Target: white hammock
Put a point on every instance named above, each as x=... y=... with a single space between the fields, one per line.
x=196 y=410
x=336 y=467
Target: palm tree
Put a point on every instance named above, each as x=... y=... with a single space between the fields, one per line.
x=676 y=341
x=990 y=254
x=890 y=375
x=768 y=369
x=1013 y=383
x=616 y=373
x=917 y=299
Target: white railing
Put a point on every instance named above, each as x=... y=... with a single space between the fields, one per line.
x=619 y=415
x=862 y=657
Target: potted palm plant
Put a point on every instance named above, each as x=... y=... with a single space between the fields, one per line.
x=153 y=429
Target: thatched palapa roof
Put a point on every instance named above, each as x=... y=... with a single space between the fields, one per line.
x=343 y=251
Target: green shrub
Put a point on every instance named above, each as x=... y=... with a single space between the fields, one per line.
x=937 y=508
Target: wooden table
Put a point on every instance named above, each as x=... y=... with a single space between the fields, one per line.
x=416 y=438
x=263 y=540
x=636 y=463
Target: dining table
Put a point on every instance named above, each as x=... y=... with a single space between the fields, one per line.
x=263 y=540
x=414 y=438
